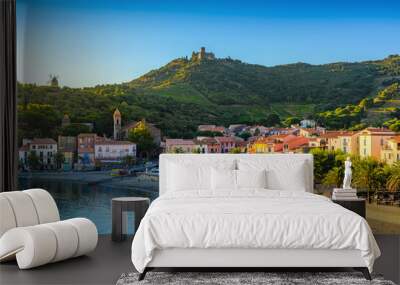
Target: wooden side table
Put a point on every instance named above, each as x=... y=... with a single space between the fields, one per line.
x=119 y=208
x=357 y=205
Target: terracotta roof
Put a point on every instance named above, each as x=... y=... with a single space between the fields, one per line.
x=293 y=142
x=112 y=142
x=378 y=130
x=43 y=141
x=170 y=142
x=225 y=139
x=209 y=141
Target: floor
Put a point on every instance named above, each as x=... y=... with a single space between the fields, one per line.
x=110 y=260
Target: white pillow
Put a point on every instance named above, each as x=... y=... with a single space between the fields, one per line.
x=223 y=179
x=282 y=174
x=251 y=178
x=185 y=178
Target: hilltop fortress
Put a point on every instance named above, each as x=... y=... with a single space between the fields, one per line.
x=202 y=54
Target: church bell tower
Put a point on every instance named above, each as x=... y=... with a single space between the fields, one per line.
x=117 y=124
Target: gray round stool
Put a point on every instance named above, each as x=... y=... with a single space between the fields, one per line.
x=119 y=207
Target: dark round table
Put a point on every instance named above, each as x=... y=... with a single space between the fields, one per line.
x=120 y=207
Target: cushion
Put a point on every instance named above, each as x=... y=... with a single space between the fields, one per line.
x=193 y=176
x=287 y=175
x=251 y=178
x=223 y=179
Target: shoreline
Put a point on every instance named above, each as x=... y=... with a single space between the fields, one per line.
x=142 y=182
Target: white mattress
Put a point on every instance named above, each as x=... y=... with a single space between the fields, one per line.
x=253 y=219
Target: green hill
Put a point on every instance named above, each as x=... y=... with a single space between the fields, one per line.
x=184 y=93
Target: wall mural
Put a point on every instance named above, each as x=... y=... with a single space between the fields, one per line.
x=106 y=86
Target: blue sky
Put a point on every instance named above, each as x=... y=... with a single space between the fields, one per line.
x=90 y=42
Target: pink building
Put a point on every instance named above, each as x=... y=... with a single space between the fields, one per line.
x=180 y=145
x=226 y=143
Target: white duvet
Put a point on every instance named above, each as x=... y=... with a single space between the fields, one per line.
x=250 y=219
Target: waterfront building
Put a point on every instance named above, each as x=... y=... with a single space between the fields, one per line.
x=23 y=153
x=371 y=141
x=391 y=150
x=226 y=143
x=113 y=151
x=44 y=148
x=86 y=143
x=292 y=143
x=345 y=141
x=67 y=145
x=262 y=145
x=209 y=145
x=181 y=145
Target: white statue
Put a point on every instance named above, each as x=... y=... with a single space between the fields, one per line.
x=347 y=174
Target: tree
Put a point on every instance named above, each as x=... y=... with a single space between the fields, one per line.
x=33 y=161
x=272 y=120
x=74 y=130
x=334 y=177
x=323 y=162
x=257 y=132
x=244 y=135
x=142 y=137
x=209 y=134
x=178 y=150
x=235 y=150
x=38 y=120
x=393 y=182
x=366 y=175
x=59 y=159
x=291 y=121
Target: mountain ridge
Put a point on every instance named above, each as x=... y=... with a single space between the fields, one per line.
x=187 y=92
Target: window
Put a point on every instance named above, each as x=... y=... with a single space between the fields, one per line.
x=100 y=149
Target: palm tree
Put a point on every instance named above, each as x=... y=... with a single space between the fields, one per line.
x=393 y=182
x=365 y=175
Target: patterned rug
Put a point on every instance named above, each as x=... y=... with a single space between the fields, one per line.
x=243 y=278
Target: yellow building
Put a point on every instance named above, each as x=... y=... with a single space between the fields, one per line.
x=371 y=141
x=262 y=145
x=391 y=150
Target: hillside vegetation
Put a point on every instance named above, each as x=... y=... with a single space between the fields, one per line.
x=184 y=93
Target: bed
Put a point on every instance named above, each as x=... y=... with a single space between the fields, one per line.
x=247 y=210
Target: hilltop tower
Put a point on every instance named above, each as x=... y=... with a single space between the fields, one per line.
x=202 y=54
x=117 y=124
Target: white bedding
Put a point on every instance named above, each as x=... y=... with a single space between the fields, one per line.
x=252 y=218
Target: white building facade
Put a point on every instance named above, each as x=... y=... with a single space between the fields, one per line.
x=114 y=150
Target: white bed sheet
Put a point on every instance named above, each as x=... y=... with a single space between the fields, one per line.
x=253 y=218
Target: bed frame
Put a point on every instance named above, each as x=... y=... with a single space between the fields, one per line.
x=245 y=259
